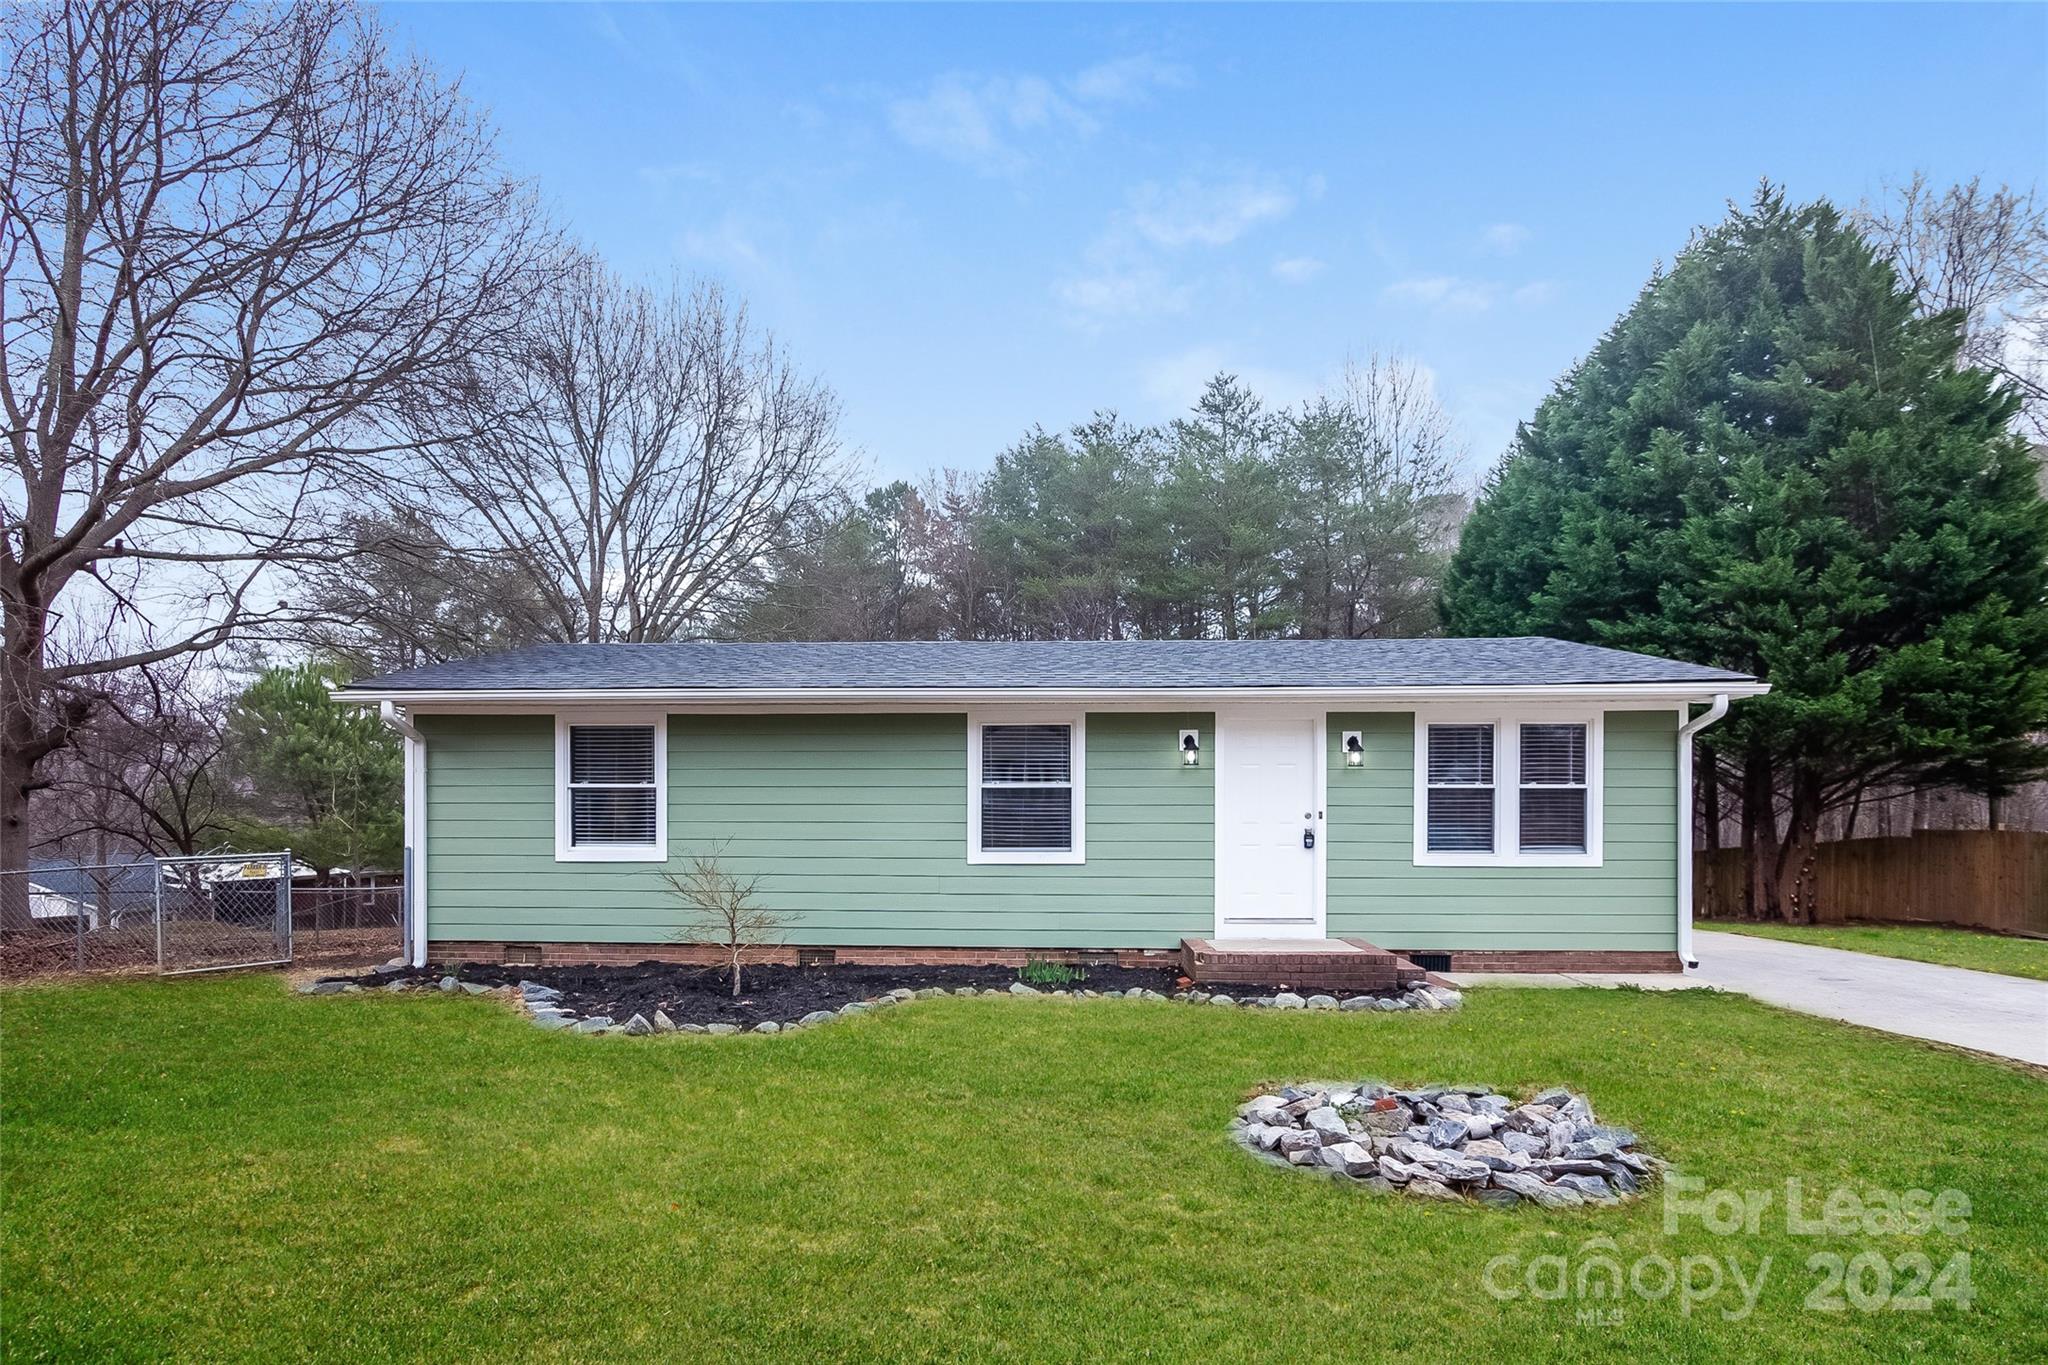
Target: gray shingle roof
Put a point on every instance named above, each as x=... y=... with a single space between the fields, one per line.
x=1148 y=665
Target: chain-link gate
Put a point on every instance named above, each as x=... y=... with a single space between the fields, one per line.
x=223 y=910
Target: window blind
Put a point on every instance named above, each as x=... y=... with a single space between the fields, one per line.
x=611 y=785
x=1027 y=788
x=1553 y=788
x=1461 y=790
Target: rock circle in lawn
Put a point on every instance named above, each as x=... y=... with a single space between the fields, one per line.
x=1450 y=1143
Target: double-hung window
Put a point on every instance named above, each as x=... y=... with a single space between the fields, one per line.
x=1508 y=790
x=611 y=800
x=1461 y=789
x=1025 y=799
x=1553 y=787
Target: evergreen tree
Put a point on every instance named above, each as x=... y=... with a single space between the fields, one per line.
x=318 y=777
x=1770 y=463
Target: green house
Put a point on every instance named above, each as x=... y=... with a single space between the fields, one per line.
x=1510 y=803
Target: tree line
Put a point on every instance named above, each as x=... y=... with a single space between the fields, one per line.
x=294 y=367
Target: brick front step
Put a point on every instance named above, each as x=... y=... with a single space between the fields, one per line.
x=1349 y=964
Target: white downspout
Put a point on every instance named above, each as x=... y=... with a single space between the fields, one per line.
x=1685 y=734
x=415 y=828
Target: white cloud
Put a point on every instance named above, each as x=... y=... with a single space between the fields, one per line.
x=1536 y=292
x=985 y=121
x=1111 y=293
x=1504 y=239
x=1193 y=213
x=1125 y=272
x=1298 y=269
x=975 y=119
x=1444 y=293
x=1128 y=80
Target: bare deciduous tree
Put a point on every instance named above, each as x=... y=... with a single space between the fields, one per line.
x=723 y=909
x=232 y=236
x=1983 y=253
x=633 y=457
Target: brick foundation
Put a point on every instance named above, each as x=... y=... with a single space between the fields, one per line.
x=1551 y=959
x=1373 y=969
x=631 y=954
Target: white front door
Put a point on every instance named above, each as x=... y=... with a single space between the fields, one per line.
x=1269 y=826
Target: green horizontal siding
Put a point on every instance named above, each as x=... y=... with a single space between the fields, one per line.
x=1377 y=892
x=855 y=824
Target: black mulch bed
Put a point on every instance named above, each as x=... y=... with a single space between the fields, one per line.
x=703 y=995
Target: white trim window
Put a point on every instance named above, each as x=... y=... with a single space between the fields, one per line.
x=611 y=792
x=1026 y=788
x=1517 y=789
x=1553 y=782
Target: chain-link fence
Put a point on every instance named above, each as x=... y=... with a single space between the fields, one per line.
x=190 y=914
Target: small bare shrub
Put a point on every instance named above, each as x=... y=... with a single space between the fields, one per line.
x=723 y=908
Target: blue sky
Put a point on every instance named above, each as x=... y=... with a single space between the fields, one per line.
x=971 y=220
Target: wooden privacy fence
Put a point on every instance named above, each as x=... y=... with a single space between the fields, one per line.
x=1978 y=878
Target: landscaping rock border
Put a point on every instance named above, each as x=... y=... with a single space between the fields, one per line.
x=1449 y=1142
x=543 y=1004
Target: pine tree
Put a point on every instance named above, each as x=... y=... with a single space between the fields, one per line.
x=1771 y=464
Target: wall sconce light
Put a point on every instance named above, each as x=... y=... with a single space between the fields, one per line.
x=1354 y=750
x=1190 y=747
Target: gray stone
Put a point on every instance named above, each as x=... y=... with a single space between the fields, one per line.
x=1305 y=1156
x=1490 y=1152
x=966 y=990
x=856 y=1007
x=1019 y=988
x=449 y=983
x=532 y=989
x=1327 y=1124
x=1322 y=1002
x=1536 y=1192
x=551 y=1021
x=691 y=1028
x=722 y=1030
x=767 y=1026
x=1386 y=1121
x=1446 y=1132
x=1552 y=1098
x=1521 y=1142
x=638 y=1027
x=662 y=1023
x=1393 y=1171
x=930 y=992
x=1495 y=1197
x=816 y=1017
x=396 y=986
x=472 y=988
x=903 y=993
x=1460 y=1171
x=1555 y=1167
x=1288 y=1000
x=1299 y=1139
x=1445 y=997
x=883 y=1002
x=1620 y=1137
x=351 y=989
x=322 y=988
x=1591 y=1147
x=1624 y=1182
x=1351 y=1159
x=1195 y=997
x=1149 y=994
x=1479 y=1125
x=1222 y=1002
x=1453 y=1103
x=1590 y=1185
x=597 y=1024
x=1430 y=1189
x=1357 y=1002
x=1388 y=1002
x=1262 y=1105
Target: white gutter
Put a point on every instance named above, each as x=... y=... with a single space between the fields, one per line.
x=415 y=829
x=1685 y=736
x=954 y=697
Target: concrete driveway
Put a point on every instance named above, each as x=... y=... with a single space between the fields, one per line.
x=2006 y=1016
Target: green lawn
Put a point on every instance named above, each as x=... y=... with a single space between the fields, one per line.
x=216 y=1169
x=1970 y=948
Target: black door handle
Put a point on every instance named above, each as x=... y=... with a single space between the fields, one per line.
x=1308 y=838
